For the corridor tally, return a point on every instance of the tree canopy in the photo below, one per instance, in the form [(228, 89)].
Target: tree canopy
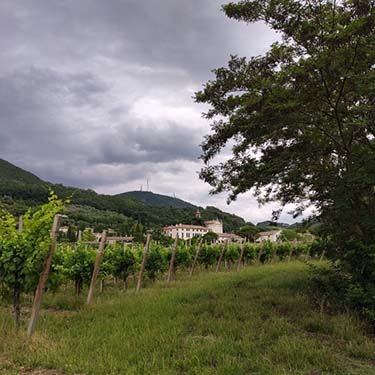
[(301, 119)]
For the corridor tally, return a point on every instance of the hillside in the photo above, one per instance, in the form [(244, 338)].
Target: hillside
[(9, 172), (153, 199), (20, 189)]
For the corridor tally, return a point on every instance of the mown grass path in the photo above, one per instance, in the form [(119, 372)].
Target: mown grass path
[(256, 321)]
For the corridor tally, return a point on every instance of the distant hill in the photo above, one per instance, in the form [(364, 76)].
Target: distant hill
[(269, 223), (20, 190), (153, 199), (9, 172)]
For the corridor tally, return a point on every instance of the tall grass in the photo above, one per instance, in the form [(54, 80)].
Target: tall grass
[(257, 321)]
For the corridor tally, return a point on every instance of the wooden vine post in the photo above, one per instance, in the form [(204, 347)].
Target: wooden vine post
[(197, 252), (98, 261), (43, 277), (173, 258), (274, 254), (241, 256), (143, 265), (20, 223), (221, 255), (290, 253), (260, 254)]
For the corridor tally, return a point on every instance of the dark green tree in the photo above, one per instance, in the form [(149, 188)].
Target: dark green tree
[(301, 120), (249, 232), (210, 237)]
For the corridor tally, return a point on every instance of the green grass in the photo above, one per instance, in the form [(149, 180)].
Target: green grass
[(257, 321)]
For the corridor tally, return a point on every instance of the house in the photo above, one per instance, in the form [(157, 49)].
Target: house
[(272, 236), (64, 229), (184, 231), (215, 226), (230, 237), (118, 239)]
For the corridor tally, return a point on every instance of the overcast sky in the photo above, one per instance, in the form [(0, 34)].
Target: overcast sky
[(98, 94)]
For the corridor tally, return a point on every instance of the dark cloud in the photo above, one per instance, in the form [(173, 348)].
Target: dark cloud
[(98, 94)]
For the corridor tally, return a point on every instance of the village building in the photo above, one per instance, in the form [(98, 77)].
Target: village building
[(64, 229), (185, 231), (230, 237), (215, 226), (272, 236), (119, 239)]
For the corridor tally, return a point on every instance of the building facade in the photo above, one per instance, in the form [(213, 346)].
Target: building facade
[(215, 226), (184, 231), (272, 236), (187, 232)]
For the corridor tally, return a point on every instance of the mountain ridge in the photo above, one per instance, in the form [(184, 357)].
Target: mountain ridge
[(20, 189)]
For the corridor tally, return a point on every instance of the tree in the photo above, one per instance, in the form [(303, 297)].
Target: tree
[(210, 237), (249, 232), (71, 235), (88, 235), (301, 119), (290, 235), (22, 253)]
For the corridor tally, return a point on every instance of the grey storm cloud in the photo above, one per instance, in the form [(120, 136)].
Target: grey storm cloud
[(137, 144), (98, 94)]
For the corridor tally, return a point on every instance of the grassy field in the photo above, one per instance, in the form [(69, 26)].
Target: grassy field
[(256, 321)]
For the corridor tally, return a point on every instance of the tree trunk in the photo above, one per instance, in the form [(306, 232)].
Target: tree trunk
[(78, 284)]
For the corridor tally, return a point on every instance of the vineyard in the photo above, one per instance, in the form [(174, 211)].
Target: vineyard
[(32, 261), (232, 307), (121, 263)]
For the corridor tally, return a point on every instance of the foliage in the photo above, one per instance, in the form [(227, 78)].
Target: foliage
[(22, 253), (88, 235), (249, 232), (210, 237), (290, 235), (78, 264), (300, 120), (124, 260), (156, 261)]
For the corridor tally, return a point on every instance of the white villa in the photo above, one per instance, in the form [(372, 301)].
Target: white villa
[(186, 232)]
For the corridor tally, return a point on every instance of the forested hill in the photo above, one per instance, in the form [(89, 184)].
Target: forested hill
[(152, 199), (9, 172), (20, 189)]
